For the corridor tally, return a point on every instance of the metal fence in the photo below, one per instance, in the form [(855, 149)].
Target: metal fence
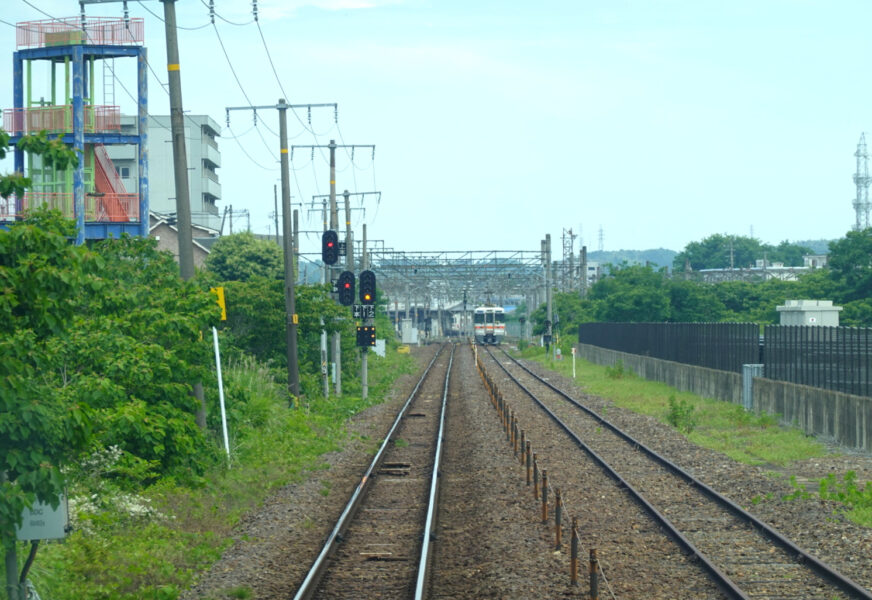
[(722, 346), (833, 358)]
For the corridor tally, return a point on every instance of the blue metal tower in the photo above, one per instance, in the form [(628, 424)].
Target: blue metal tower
[(92, 192)]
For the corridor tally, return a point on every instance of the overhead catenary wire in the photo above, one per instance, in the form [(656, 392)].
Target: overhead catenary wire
[(239, 83), (213, 12), (159, 18)]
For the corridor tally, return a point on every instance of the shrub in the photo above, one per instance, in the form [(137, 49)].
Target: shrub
[(681, 415), (616, 371)]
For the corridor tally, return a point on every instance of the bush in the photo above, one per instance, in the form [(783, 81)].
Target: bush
[(616, 371), (681, 415)]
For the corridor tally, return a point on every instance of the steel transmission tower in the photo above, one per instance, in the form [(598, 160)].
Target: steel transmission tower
[(862, 180), (568, 270)]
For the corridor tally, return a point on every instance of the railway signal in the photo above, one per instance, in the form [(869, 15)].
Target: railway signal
[(366, 336), (367, 287), (346, 288), (330, 247)]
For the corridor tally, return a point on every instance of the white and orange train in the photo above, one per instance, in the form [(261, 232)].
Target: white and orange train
[(489, 323)]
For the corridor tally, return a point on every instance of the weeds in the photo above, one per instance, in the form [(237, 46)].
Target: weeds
[(681, 415), (616, 371)]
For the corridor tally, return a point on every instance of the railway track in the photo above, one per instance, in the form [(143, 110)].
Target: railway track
[(380, 545), (745, 557)]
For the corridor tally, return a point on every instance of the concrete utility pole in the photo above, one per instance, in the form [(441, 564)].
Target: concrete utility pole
[(180, 171), (364, 357), (583, 282), (334, 225), (548, 284), (291, 318)]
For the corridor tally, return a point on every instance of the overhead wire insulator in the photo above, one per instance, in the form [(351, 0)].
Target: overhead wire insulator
[(254, 9), (212, 11), (309, 114)]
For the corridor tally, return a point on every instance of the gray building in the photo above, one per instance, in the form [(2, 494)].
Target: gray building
[(204, 159)]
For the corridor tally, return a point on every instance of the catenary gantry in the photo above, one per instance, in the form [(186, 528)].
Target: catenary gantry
[(444, 276)]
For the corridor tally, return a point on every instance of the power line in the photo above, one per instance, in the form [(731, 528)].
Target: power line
[(238, 83), (158, 17), (213, 12)]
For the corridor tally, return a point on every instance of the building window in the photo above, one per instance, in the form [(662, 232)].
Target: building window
[(123, 172)]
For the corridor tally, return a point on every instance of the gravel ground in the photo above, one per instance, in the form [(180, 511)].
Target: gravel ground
[(491, 542)]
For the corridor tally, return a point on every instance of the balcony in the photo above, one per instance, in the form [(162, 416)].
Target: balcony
[(59, 119), (107, 208), (98, 31), (212, 154), (210, 187)]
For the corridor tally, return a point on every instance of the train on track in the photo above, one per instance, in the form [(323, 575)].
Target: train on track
[(489, 324)]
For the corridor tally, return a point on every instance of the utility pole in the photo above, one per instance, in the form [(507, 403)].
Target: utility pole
[(334, 226), (291, 318), (180, 171), (364, 356), (548, 284), (325, 379)]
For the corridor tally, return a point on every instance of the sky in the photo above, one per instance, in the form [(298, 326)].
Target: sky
[(637, 124)]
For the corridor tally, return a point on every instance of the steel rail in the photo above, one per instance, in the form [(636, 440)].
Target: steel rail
[(307, 589), (720, 578), (423, 563), (822, 568)]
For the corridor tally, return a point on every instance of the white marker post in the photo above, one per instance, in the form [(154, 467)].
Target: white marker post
[(221, 394), (573, 362)]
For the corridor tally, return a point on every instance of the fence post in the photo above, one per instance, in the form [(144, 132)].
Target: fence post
[(529, 461), (523, 445), (749, 372), (535, 477), (544, 495), (573, 553), (558, 514), (594, 575)]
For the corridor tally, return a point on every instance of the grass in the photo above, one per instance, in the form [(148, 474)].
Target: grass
[(117, 556), (728, 428)]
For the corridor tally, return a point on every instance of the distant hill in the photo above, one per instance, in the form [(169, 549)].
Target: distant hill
[(661, 257)]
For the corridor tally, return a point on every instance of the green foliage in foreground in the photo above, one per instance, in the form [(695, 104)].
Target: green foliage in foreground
[(857, 499), (153, 544)]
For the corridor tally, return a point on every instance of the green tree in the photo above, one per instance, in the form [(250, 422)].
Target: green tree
[(43, 425), (719, 251), (788, 253), (137, 346), (631, 294), (850, 264), (694, 303), (241, 256)]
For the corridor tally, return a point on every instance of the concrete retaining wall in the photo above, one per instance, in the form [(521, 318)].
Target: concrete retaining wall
[(843, 418), (708, 383)]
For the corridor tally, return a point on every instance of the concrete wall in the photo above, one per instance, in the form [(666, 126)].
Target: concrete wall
[(709, 383), (843, 418)]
